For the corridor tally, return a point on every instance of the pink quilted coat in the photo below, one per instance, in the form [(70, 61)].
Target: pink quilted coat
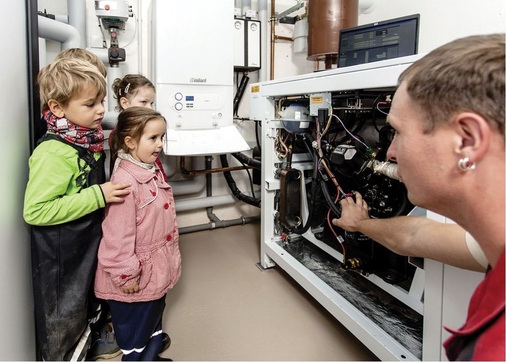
[(140, 239)]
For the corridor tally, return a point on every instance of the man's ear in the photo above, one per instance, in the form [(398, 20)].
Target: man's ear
[(124, 103), (130, 142), (475, 133), (56, 108)]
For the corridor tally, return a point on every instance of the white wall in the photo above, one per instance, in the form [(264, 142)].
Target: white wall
[(442, 21), (17, 341)]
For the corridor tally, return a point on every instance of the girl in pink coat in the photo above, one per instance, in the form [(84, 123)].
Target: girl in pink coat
[(138, 257)]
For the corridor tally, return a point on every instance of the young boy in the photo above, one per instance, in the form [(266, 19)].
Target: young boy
[(64, 202), (103, 341)]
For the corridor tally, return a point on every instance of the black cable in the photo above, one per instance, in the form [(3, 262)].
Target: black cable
[(258, 124), (250, 179)]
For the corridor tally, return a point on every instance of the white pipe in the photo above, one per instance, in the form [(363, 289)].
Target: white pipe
[(102, 53), (77, 18), (264, 21), (63, 33), (188, 187), (42, 53), (366, 6), (62, 18), (140, 35), (110, 119), (203, 202), (246, 6), (185, 187), (112, 74)]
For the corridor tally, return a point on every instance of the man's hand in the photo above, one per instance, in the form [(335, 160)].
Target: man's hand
[(352, 213)]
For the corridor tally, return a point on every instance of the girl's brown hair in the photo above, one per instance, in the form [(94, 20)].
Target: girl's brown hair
[(131, 122), (129, 86)]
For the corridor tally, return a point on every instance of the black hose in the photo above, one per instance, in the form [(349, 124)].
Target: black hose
[(247, 160), (240, 92), (329, 200), (233, 187)]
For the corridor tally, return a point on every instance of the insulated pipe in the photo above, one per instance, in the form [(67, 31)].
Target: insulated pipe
[(42, 53), (77, 18), (247, 160), (62, 18), (63, 33), (233, 187), (263, 17), (102, 53), (240, 93)]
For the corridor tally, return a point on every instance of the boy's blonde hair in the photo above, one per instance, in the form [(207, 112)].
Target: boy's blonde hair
[(83, 54), (66, 78)]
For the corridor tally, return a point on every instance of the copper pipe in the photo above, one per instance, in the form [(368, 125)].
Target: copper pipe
[(279, 37), (273, 36), (186, 172)]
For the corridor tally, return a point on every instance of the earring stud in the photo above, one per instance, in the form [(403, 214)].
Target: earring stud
[(465, 165)]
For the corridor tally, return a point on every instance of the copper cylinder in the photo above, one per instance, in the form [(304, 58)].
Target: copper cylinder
[(325, 19)]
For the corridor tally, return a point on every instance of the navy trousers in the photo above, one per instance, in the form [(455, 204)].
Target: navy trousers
[(138, 328)]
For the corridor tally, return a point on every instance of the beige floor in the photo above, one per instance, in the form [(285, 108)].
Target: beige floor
[(224, 308)]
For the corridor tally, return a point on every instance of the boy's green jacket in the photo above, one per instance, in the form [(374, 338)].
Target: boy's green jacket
[(54, 193)]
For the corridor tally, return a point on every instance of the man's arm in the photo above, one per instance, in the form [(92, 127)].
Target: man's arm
[(410, 235)]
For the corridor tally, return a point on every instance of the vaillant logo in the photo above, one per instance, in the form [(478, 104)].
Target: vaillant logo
[(198, 80)]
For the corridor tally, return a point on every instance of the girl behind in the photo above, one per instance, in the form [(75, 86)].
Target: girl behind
[(138, 257)]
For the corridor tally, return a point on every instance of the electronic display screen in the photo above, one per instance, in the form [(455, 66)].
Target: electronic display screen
[(379, 41)]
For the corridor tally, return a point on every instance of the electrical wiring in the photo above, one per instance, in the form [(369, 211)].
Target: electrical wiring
[(135, 31), (347, 131), (329, 119), (338, 238), (379, 109), (280, 145)]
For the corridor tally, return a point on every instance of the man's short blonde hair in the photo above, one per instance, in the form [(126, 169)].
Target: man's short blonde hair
[(65, 79), (465, 75)]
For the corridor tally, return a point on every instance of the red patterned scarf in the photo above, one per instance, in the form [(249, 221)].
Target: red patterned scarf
[(92, 139)]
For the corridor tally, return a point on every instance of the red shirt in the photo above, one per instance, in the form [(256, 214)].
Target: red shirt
[(481, 338)]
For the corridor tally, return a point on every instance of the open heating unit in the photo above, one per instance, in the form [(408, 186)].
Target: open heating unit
[(325, 135)]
